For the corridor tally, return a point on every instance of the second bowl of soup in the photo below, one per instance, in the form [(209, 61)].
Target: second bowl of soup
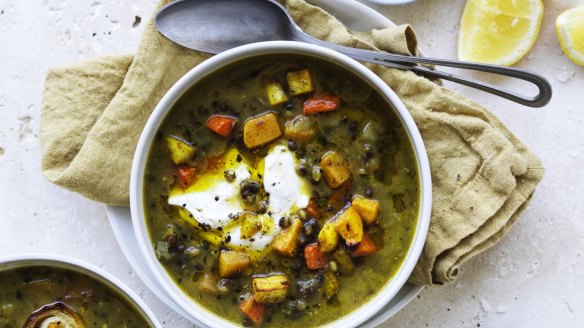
[(281, 184)]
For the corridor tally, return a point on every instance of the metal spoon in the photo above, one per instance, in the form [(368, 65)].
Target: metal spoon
[(214, 26)]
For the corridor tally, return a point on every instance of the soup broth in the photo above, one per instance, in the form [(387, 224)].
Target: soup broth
[(281, 191)]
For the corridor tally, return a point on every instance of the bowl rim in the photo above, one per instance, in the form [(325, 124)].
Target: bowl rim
[(15, 261), (216, 63)]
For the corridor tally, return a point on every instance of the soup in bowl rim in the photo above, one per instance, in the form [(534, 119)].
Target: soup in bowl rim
[(215, 64)]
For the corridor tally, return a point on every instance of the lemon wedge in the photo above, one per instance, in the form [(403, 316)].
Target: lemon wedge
[(570, 31), (498, 32)]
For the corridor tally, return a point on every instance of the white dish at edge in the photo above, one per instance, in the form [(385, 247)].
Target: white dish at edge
[(356, 16)]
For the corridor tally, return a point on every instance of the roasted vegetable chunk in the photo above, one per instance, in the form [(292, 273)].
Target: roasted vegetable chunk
[(315, 259), (221, 124), (335, 168), (180, 149), (368, 209), (300, 82), (232, 264), (320, 103), (261, 129), (301, 129), (276, 94), (253, 310), (331, 285), (186, 175), (349, 225), (366, 247), (328, 238), (286, 241), (271, 288)]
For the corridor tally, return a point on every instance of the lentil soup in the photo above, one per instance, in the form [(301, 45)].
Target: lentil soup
[(281, 191)]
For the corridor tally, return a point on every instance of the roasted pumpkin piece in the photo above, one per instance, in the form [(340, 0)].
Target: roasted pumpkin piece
[(250, 225), (180, 149), (271, 288), (276, 94), (366, 247), (328, 238), (253, 310), (300, 82), (301, 129), (232, 264), (349, 225), (286, 241), (314, 258), (261, 129), (368, 209), (335, 168), (331, 285)]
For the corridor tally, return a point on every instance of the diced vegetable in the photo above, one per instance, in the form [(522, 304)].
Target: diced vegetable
[(344, 262), (312, 209), (208, 284), (368, 209), (328, 238), (331, 285), (221, 124), (349, 225), (162, 252), (232, 264), (253, 310), (271, 288), (335, 168), (300, 82), (366, 247), (261, 129), (286, 241), (276, 94), (315, 259), (250, 225), (337, 199), (180, 149), (320, 103), (301, 129), (186, 175)]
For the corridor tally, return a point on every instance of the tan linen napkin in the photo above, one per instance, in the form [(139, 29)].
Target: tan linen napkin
[(483, 177)]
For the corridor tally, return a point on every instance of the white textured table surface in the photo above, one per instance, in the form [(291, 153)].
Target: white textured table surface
[(533, 278)]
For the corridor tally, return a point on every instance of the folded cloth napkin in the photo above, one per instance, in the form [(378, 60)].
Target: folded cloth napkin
[(483, 177)]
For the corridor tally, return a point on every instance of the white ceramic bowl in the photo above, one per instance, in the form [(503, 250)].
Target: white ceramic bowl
[(63, 262), (209, 67)]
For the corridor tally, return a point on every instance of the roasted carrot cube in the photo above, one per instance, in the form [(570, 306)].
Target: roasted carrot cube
[(186, 175), (320, 103), (349, 225), (221, 124), (253, 310), (261, 129), (315, 259), (366, 247), (368, 209), (312, 209), (286, 241), (232, 264)]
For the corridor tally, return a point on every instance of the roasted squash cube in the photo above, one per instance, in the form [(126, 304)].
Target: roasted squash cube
[(276, 94), (328, 238), (335, 168), (300, 82), (180, 149), (271, 288), (232, 264), (349, 225), (261, 129), (250, 225), (286, 241), (368, 209)]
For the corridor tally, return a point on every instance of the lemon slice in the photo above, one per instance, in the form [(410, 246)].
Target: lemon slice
[(498, 31), (570, 30)]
